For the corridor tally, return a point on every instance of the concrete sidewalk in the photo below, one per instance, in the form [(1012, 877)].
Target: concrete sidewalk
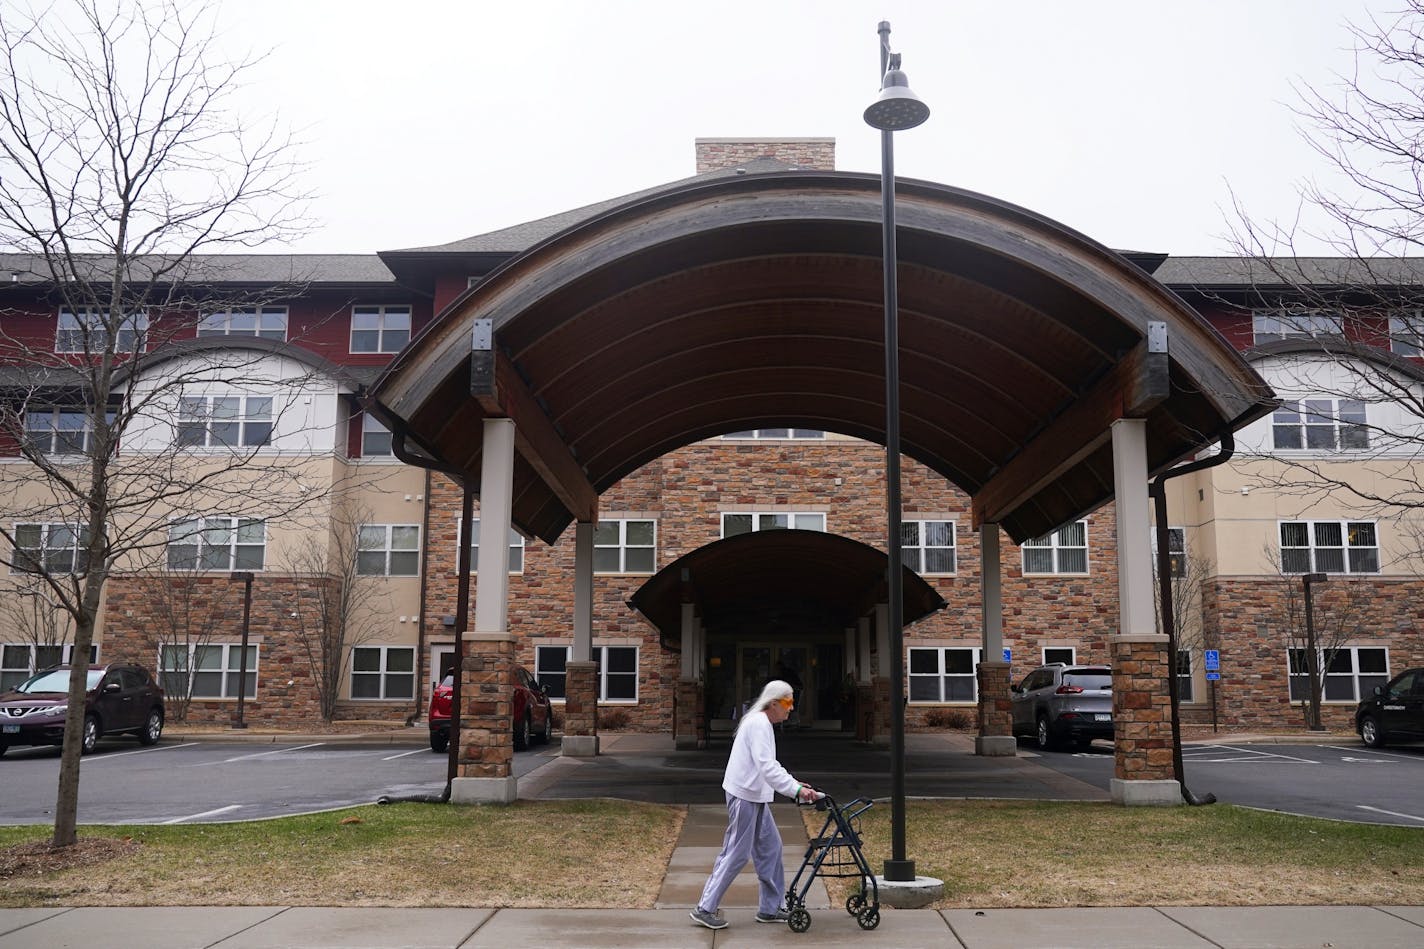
[(277, 927)]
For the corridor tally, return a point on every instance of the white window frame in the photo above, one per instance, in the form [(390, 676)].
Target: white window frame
[(939, 676), (383, 674), (254, 421), (1072, 654), (205, 531), (516, 549), (621, 548), (1054, 543), (1186, 681), (42, 554), (915, 549), (1291, 556), (1341, 422), (1299, 681), (1274, 325), (70, 331), (53, 435), (388, 542), (12, 675), (600, 657), (268, 322), (371, 428), (776, 434), (767, 520), (229, 669), (383, 313), (1406, 332)]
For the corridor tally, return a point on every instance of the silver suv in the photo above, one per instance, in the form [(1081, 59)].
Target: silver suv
[(1059, 703)]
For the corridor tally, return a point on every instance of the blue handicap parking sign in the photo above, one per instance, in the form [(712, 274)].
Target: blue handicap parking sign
[(1213, 676), (1008, 655), (1213, 659)]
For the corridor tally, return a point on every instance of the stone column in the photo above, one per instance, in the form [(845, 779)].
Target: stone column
[(995, 738), (581, 692), (1142, 712), (690, 698), (486, 752)]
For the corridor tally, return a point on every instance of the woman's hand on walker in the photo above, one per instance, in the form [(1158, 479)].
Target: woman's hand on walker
[(808, 795)]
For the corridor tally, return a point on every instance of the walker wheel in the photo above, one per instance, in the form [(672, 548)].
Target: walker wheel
[(869, 917), (800, 920), (855, 903)]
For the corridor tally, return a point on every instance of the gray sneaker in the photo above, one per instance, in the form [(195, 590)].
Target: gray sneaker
[(780, 916), (711, 920)]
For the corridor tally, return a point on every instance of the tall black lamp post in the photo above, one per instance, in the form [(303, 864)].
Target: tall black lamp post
[(1312, 662), (245, 576), (897, 108)]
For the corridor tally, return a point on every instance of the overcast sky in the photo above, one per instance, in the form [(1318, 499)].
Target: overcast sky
[(432, 120)]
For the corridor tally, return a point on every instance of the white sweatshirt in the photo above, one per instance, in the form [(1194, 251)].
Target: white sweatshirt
[(753, 773)]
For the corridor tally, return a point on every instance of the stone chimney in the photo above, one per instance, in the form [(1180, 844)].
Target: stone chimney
[(812, 154)]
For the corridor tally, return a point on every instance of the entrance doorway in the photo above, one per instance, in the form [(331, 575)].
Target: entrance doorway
[(814, 671)]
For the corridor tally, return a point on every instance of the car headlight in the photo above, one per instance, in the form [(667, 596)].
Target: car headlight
[(57, 709)]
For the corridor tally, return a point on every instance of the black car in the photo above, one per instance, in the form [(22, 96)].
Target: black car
[(1395, 712), (122, 699)]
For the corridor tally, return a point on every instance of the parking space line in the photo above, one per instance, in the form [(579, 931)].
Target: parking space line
[(91, 759), (1270, 754), (1238, 755), (275, 751), (1371, 751), (220, 810), (405, 754), (1380, 810)]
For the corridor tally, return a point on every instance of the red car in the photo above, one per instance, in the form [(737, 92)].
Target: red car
[(532, 714)]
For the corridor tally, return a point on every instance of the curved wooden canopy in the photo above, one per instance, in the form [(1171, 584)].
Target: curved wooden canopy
[(756, 301), (783, 577)]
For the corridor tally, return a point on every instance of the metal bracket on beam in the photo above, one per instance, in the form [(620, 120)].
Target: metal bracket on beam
[(482, 380), (1156, 336)]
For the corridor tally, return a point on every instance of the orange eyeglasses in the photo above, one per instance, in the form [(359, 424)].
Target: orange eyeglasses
[(786, 702)]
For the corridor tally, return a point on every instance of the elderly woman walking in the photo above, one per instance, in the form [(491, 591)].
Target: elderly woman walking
[(752, 779)]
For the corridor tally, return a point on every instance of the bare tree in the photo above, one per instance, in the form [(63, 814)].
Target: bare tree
[(121, 166), (182, 618), (339, 608), (42, 626)]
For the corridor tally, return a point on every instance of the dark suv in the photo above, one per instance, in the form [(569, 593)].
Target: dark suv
[(1395, 712), (122, 699), (1060, 703), (529, 709)]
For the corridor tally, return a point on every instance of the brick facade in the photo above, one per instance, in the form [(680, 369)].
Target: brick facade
[(1142, 710), (816, 154)]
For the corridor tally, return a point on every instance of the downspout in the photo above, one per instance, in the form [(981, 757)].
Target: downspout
[(1157, 490), (420, 656)]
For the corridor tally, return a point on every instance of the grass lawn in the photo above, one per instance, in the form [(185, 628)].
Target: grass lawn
[(1033, 853), (603, 853)]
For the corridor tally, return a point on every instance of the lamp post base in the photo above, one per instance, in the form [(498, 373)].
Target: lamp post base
[(900, 871), (913, 893)]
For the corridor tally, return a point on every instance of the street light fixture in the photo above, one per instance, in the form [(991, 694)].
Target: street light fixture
[(245, 577), (896, 108), (1311, 662)]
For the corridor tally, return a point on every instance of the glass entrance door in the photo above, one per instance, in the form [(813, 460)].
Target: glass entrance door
[(757, 663)]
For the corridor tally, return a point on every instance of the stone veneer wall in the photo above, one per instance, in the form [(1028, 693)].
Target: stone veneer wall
[(1245, 620), (817, 154)]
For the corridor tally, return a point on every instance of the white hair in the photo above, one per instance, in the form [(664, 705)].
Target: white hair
[(773, 690)]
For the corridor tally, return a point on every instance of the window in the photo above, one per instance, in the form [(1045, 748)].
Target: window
[(379, 329), (1064, 654), (62, 430), (766, 433), (1406, 332), (382, 672), (1184, 675), (928, 546), (943, 675), (85, 331), (1320, 425), (1176, 551), (1063, 551), (1352, 673), (50, 548), (388, 550), (264, 322), (1270, 326), (217, 543), (625, 547), (212, 669), (227, 421), (375, 438), (19, 661), (516, 549), (734, 524), (617, 671), (1329, 547)]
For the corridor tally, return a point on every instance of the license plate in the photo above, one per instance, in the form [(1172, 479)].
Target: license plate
[(11, 729), (1102, 717)]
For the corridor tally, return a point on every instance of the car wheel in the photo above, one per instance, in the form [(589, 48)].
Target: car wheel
[(1370, 732), (89, 739), (439, 742), (546, 734), (1042, 736), (152, 729), (521, 733)]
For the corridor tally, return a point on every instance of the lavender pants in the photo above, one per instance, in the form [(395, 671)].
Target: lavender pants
[(751, 835)]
